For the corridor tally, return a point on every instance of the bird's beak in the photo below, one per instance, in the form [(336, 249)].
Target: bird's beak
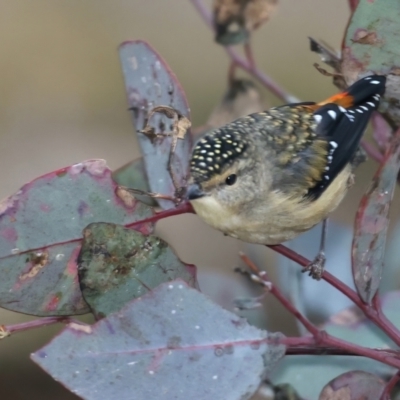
[(194, 191)]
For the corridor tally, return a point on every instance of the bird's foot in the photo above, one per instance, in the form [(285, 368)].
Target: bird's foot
[(316, 268)]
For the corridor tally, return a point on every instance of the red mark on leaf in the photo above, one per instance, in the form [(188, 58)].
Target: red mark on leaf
[(52, 304), (72, 266), (36, 261), (374, 225), (9, 234)]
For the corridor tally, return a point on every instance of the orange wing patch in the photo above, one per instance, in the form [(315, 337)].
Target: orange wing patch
[(341, 99)]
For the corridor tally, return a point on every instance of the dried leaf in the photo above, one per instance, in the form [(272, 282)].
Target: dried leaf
[(4, 332), (133, 175), (372, 222), (353, 385), (248, 303), (179, 128), (117, 265), (365, 37), (324, 72), (234, 20), (330, 57)]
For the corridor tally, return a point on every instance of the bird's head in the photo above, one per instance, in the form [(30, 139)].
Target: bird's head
[(222, 171)]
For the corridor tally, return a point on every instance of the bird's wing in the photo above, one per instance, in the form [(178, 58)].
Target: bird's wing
[(325, 136)]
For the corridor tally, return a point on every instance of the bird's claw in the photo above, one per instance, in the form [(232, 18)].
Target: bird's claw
[(316, 267)]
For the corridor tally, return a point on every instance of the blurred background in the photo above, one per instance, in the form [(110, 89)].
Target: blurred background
[(62, 100)]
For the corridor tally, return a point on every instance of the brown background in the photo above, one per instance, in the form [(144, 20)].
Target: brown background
[(62, 101)]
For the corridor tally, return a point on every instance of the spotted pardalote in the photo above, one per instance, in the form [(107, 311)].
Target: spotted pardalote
[(267, 177)]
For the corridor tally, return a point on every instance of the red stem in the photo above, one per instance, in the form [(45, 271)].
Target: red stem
[(182, 208), (373, 314), (248, 51), (245, 64), (297, 314), (323, 338), (320, 338), (390, 386), (306, 345), (231, 73), (353, 5), (275, 291), (37, 323)]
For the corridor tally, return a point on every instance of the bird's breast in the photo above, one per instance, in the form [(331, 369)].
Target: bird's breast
[(275, 219)]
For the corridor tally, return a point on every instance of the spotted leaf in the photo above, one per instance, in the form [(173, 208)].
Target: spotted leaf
[(41, 230), (173, 342)]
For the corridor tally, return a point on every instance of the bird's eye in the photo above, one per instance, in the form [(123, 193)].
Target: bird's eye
[(231, 179)]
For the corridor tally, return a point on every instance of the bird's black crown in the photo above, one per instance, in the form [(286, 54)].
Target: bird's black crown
[(215, 152)]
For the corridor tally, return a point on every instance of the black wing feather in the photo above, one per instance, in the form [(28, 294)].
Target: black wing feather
[(343, 128)]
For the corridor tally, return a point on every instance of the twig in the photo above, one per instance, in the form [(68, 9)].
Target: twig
[(382, 322), (390, 386), (153, 195), (246, 65), (248, 51), (306, 345), (183, 208), (281, 298), (353, 5), (7, 330), (320, 337), (231, 73)]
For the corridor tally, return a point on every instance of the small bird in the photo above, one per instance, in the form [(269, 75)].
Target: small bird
[(267, 177), (234, 20)]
